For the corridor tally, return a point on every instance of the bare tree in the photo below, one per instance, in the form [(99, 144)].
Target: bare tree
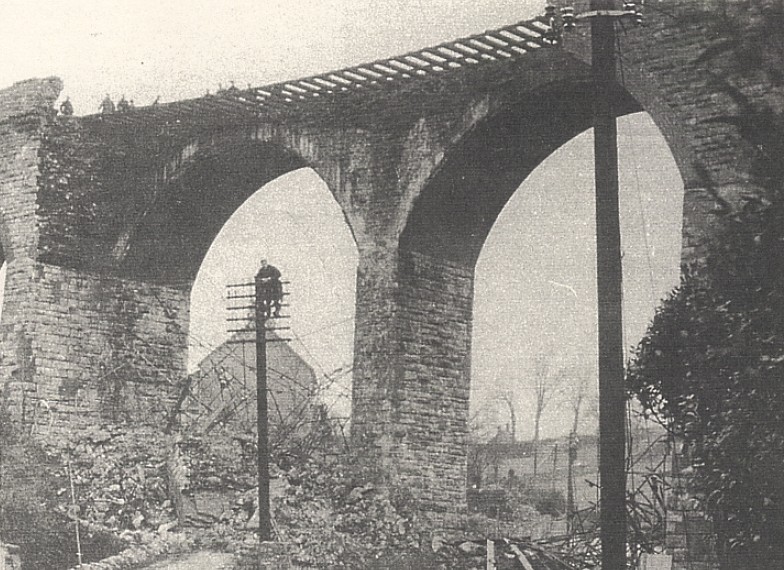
[(583, 397), (483, 454), (547, 382), (507, 397)]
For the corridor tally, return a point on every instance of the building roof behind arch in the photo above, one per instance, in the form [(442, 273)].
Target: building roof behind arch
[(419, 71)]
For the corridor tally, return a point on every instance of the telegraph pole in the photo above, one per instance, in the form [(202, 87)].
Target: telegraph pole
[(262, 425), (612, 398), (609, 278), (262, 307)]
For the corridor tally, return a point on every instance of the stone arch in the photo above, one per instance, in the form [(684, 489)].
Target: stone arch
[(438, 249), (316, 253), (455, 210), (452, 212), (171, 242)]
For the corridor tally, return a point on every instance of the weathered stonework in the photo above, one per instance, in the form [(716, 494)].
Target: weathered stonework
[(668, 69), (76, 345), (421, 172), (78, 348)]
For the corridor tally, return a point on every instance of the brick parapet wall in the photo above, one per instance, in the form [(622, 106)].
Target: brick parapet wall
[(74, 346), (29, 96), (18, 171)]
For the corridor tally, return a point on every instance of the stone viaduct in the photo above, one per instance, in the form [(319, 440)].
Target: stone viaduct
[(104, 220)]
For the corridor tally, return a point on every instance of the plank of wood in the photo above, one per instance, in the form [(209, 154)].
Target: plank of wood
[(490, 555), (521, 557)]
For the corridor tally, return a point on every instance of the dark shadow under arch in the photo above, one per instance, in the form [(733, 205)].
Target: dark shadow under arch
[(171, 242), (457, 208)]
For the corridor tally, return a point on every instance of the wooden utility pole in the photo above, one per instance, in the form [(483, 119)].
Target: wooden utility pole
[(612, 398), (262, 425), (262, 306)]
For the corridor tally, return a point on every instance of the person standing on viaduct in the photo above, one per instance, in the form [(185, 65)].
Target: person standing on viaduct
[(107, 105), (122, 105), (271, 288), (66, 108)]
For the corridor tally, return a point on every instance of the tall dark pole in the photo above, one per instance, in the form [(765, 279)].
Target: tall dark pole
[(612, 403), (265, 530), (570, 484)]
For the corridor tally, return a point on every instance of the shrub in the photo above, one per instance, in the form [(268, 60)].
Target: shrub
[(711, 365), (550, 502)]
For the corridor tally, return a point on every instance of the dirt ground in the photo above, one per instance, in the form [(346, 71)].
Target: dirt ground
[(204, 560)]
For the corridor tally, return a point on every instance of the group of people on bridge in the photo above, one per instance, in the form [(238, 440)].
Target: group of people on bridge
[(123, 105), (107, 106)]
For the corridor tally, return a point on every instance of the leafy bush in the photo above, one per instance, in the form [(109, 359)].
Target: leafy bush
[(550, 502), (712, 362)]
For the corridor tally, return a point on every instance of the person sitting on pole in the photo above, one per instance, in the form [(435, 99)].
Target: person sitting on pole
[(271, 289)]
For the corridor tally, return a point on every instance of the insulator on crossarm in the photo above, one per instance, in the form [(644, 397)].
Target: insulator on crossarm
[(639, 18), (549, 11), (568, 18), (629, 8)]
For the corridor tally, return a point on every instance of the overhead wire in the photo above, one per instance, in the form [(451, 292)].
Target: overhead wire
[(628, 439), (631, 461), (231, 354), (212, 347)]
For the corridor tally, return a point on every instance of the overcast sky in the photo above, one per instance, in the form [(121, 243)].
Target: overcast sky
[(535, 289)]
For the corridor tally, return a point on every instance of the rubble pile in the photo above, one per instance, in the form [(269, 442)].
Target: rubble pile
[(507, 554), (219, 462), (118, 477), (324, 506), (326, 511), (335, 519)]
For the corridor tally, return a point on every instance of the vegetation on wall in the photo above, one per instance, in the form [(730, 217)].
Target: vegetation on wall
[(92, 183), (712, 363), (711, 366)]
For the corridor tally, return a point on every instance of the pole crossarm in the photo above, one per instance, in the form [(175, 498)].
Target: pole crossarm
[(603, 13), (263, 299)]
